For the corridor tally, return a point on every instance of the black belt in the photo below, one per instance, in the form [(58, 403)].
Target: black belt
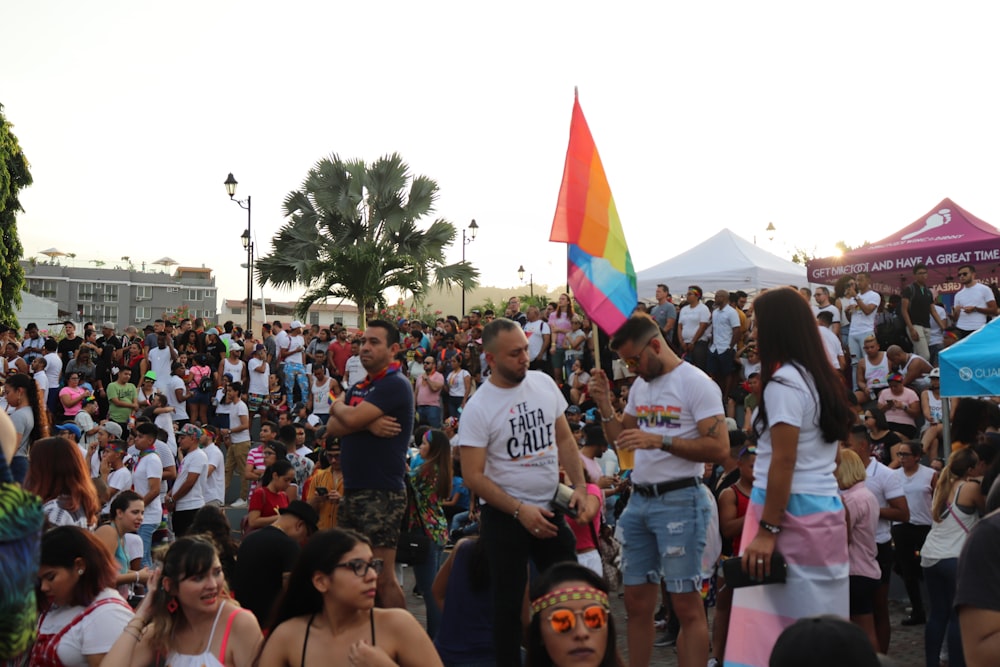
[(651, 490)]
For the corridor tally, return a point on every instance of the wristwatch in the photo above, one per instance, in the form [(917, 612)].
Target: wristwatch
[(665, 443)]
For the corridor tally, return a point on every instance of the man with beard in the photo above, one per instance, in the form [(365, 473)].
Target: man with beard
[(514, 439), (374, 420), (674, 423)]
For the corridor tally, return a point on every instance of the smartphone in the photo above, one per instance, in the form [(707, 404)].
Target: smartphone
[(560, 501), (321, 490)]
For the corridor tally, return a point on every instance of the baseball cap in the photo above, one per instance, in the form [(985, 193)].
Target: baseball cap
[(573, 410), (150, 375), (259, 347), (304, 511), (235, 347), (72, 428), (935, 373), (117, 445), (190, 429), (829, 641), (895, 377), (88, 400), (108, 325), (112, 429), (295, 325)]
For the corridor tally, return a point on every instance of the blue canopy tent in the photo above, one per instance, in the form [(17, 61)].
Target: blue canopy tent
[(970, 367)]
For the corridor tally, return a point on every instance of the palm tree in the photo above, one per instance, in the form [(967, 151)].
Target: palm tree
[(352, 233)]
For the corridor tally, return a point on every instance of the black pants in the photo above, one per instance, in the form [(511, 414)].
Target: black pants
[(909, 540), (509, 547), (182, 520)]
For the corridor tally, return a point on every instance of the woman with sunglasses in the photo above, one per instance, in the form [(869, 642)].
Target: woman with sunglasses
[(327, 615), (571, 621)]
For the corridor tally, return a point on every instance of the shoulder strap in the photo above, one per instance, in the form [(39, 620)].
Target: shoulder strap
[(225, 635), (371, 616), (86, 612), (305, 640)]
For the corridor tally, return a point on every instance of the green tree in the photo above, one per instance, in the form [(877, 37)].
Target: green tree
[(353, 231), (14, 175)]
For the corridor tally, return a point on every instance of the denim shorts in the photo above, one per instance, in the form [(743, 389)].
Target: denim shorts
[(663, 537)]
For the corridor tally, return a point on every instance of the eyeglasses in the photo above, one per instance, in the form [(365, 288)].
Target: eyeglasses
[(594, 617), (902, 454), (962, 274), (633, 362), (360, 566), (333, 454)]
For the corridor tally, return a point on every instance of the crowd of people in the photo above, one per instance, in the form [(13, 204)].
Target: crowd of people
[(526, 467)]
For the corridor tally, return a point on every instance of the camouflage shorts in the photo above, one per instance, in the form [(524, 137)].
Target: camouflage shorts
[(375, 513)]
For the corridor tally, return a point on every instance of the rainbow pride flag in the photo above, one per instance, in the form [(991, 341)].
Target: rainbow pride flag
[(599, 266)]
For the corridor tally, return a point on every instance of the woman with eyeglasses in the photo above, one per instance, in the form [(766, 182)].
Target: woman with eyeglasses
[(883, 439), (71, 396), (327, 614), (571, 622)]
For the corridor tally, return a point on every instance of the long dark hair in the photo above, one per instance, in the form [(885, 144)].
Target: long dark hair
[(189, 556), (321, 554), (538, 655), (280, 467), (438, 464), (35, 402), (787, 334), (62, 545)]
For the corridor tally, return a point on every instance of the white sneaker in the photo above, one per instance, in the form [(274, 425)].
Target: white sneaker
[(238, 504)]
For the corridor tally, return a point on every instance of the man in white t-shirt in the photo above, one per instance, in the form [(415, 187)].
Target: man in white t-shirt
[(239, 441), (693, 321), (187, 497), (146, 482), (213, 487), (177, 394), (862, 309), (53, 373), (116, 476), (823, 305), (974, 303), (539, 337), (888, 491), (831, 342), (294, 363), (514, 438), (160, 359), (725, 335), (673, 424), (355, 369), (258, 371)]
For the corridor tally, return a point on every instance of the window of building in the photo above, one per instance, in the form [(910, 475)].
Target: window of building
[(111, 292), (143, 293), (143, 313), (238, 311), (85, 310), (43, 288), (338, 320), (314, 318), (111, 313), (194, 295), (85, 292)]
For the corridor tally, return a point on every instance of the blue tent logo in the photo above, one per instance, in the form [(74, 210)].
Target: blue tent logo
[(965, 373)]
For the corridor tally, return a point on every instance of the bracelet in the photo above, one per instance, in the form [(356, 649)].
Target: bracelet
[(135, 635), (605, 420), (770, 527), (137, 576), (517, 510)]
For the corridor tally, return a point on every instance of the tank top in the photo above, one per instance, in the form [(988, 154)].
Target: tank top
[(236, 370), (934, 406), (876, 374), (206, 658), (321, 398), (947, 536)]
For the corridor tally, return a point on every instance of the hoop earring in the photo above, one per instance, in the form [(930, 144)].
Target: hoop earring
[(79, 572), (172, 606)]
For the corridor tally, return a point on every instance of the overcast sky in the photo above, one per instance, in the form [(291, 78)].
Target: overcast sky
[(843, 120)]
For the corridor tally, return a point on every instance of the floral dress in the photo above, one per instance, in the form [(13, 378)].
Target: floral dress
[(426, 504)]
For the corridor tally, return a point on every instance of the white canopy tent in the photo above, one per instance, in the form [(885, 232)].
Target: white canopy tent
[(725, 261)]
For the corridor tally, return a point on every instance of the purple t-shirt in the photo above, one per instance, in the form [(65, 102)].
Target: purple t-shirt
[(370, 462)]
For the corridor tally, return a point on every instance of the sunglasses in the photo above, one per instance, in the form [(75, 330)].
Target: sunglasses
[(360, 566), (633, 362), (594, 617)]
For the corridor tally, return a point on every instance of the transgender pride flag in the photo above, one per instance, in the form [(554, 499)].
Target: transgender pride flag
[(599, 267)]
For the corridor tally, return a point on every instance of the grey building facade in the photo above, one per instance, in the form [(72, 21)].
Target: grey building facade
[(125, 297)]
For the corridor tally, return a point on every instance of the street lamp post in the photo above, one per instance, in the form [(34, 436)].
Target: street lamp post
[(472, 227), (247, 240), (531, 280)]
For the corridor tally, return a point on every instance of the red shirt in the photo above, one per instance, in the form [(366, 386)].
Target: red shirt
[(267, 502), (339, 353)]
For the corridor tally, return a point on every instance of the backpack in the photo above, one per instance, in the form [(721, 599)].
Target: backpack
[(206, 385)]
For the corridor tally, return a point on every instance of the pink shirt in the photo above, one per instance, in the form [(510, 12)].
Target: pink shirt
[(896, 414), (584, 538), (862, 510), (562, 321), (73, 393), (424, 395)]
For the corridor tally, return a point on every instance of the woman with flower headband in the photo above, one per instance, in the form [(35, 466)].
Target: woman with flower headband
[(571, 621)]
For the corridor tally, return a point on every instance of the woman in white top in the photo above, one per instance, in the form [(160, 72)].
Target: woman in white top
[(908, 538), (82, 613), (459, 386), (930, 406), (957, 503), (188, 616), (320, 385)]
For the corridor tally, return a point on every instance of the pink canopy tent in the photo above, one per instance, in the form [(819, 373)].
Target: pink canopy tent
[(944, 239)]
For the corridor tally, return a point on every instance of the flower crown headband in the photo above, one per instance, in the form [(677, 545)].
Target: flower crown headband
[(561, 595)]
